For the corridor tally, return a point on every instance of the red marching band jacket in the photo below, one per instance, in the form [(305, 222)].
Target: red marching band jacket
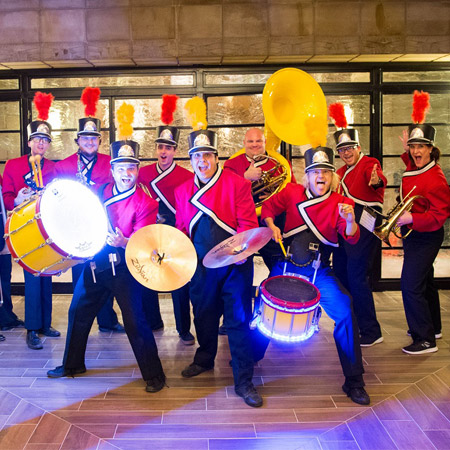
[(101, 172), (429, 214), (226, 199), (355, 182), (16, 172), (320, 214), (130, 210), (162, 183), (241, 163)]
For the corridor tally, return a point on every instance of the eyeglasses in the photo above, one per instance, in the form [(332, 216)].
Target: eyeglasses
[(44, 140), (346, 149)]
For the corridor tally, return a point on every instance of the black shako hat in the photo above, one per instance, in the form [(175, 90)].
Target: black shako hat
[(202, 141), (124, 151), (319, 158)]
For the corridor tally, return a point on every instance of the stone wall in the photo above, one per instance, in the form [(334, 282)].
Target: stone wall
[(71, 33)]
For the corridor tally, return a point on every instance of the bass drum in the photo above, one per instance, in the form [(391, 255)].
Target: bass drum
[(289, 308), (57, 228)]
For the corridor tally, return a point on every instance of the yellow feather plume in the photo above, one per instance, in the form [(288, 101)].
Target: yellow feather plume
[(125, 117), (196, 113)]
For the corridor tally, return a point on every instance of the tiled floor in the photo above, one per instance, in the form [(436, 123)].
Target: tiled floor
[(108, 408)]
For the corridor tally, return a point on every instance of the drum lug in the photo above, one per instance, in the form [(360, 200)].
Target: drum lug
[(255, 320), (38, 215)]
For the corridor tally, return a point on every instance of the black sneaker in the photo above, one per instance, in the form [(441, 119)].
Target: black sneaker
[(357, 394), (187, 338), (369, 342), (34, 341), (61, 371), (2, 338), (117, 328), (250, 396), (420, 347), (155, 384), (193, 370), (50, 332)]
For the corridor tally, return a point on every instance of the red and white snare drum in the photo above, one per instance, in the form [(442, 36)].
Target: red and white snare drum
[(289, 309)]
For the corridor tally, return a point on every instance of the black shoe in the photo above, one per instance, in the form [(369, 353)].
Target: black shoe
[(222, 330), (34, 341), (15, 324), (193, 370), (420, 347), (158, 327), (250, 396), (187, 338), (2, 338), (117, 328), (61, 371), (50, 332), (369, 342), (155, 384), (357, 394)]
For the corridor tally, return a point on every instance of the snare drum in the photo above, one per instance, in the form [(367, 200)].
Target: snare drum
[(289, 308), (57, 228)]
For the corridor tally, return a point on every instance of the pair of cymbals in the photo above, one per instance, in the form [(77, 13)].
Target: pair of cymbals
[(163, 258)]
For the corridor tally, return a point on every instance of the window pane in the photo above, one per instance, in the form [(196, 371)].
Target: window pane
[(9, 116), (441, 75), (64, 114), (393, 169), (147, 112), (9, 84), (10, 147), (230, 140), (146, 139), (237, 109), (398, 108), (119, 81), (63, 144), (347, 77), (357, 107)]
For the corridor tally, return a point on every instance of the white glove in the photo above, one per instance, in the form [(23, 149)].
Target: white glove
[(24, 194)]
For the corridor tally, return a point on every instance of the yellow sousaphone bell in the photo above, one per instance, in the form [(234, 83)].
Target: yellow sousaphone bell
[(295, 111)]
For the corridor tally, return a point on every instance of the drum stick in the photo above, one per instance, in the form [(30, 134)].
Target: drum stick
[(282, 248), (33, 169), (37, 158)]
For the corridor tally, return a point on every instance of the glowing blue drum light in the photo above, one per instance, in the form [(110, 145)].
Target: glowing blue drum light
[(287, 338)]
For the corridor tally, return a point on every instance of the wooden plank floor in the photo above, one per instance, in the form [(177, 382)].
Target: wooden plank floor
[(304, 407)]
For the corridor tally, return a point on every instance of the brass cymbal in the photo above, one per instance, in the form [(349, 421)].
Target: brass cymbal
[(237, 247), (161, 257)]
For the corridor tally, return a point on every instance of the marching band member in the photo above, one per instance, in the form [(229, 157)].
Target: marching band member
[(92, 169), (315, 213), (161, 178), (424, 177), (129, 208), (251, 166), (363, 181), (211, 208), (18, 186)]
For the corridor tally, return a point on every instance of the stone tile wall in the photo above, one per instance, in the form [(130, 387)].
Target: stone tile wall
[(58, 33)]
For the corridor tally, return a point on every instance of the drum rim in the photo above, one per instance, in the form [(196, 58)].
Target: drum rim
[(284, 303)]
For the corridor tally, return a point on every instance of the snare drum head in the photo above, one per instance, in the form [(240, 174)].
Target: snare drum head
[(74, 218), (290, 291)]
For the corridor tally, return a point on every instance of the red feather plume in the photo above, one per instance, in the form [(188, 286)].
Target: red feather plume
[(169, 105), (337, 113), (421, 105), (43, 102), (90, 97)]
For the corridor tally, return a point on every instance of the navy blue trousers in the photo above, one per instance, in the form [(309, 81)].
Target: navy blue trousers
[(106, 317), (419, 291), (90, 297), (181, 308), (7, 315), (336, 302), (352, 265), (38, 302), (227, 291)]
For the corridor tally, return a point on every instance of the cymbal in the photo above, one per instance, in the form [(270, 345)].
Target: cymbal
[(161, 257), (237, 247)]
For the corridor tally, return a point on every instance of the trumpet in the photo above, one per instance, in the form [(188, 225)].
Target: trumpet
[(389, 224)]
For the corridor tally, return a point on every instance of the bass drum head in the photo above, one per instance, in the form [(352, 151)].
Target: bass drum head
[(73, 217), (290, 291)]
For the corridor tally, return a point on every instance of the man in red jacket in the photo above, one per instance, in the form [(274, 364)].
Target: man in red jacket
[(213, 206), (363, 181)]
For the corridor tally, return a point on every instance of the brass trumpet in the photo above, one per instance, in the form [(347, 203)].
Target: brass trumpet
[(390, 225)]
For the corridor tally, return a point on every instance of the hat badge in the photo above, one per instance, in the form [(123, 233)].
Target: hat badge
[(90, 126), (43, 128), (125, 150), (201, 140), (166, 134), (320, 157), (344, 137), (416, 133)]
